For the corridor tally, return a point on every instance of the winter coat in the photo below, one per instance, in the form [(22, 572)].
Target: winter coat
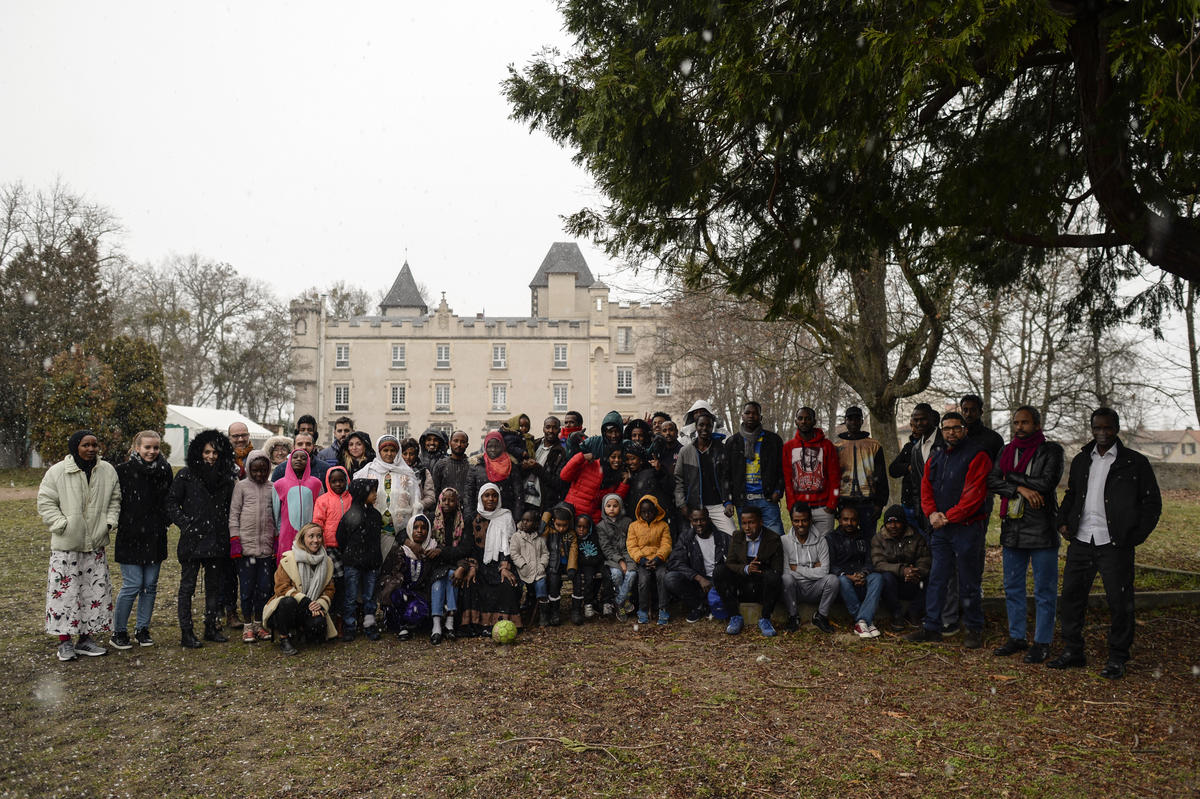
[(586, 479), (79, 512), (955, 483), (688, 488), (252, 515), (1033, 529), (686, 557), (550, 475), (770, 462), (597, 444), (848, 554), (512, 495), (451, 473), (770, 552), (649, 481), (293, 502), (812, 471), (891, 554), (425, 484), (864, 471), (909, 466), (808, 558), (360, 530), (329, 507), (201, 514), (651, 540), (287, 583), (1132, 502), (331, 455), (614, 538), (529, 555), (142, 529)]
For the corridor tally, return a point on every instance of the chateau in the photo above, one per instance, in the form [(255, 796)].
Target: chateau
[(410, 368)]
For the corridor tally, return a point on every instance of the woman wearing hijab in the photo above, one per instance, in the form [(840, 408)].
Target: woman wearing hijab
[(498, 467), (399, 493), (497, 587), (404, 580), (80, 501), (303, 592), (446, 548), (198, 503)]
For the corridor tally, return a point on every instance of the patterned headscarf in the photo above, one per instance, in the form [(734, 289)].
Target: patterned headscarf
[(439, 521)]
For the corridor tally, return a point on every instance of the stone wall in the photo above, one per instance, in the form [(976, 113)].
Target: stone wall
[(1170, 476)]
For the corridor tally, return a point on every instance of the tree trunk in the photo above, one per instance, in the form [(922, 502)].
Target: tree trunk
[(1193, 361)]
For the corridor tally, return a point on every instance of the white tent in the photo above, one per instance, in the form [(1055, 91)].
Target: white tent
[(184, 422)]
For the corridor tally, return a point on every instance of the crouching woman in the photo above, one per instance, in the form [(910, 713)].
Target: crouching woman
[(303, 592)]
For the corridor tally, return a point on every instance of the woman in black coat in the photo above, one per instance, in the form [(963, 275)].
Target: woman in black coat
[(141, 544), (198, 503)]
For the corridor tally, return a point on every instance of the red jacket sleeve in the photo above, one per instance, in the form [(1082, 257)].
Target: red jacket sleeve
[(928, 506), (833, 474), (789, 493), (974, 491), (572, 468)]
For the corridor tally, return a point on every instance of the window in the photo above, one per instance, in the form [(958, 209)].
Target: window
[(398, 429), (560, 396), (662, 382), (560, 356), (1189, 449), (499, 356), (624, 381), (624, 339), (399, 356), (499, 396), (443, 357), (661, 339), (441, 397), (399, 396), (599, 303), (341, 396), (341, 356)]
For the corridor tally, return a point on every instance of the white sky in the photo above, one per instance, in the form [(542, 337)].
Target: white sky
[(300, 142)]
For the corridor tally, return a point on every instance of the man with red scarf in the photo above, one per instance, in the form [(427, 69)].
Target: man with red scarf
[(1025, 476)]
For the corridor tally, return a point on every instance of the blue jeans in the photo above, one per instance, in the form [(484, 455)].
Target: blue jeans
[(257, 576), (140, 581), (1045, 590), (770, 513), (956, 546), (356, 580), (443, 596), (622, 583), (864, 609)]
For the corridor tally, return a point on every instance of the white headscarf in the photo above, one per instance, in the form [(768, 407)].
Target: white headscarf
[(500, 526)]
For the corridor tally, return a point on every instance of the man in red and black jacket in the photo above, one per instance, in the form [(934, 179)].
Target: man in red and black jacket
[(953, 490)]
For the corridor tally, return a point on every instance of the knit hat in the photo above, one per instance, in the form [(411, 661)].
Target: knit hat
[(895, 513)]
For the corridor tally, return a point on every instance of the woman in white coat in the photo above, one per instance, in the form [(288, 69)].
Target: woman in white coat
[(399, 491), (80, 501)]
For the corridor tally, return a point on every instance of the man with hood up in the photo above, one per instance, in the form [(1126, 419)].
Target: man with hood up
[(434, 444), (611, 430), (688, 431)]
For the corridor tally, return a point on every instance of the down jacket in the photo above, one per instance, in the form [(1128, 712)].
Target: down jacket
[(142, 529), (78, 511), (250, 513), (329, 507), (651, 540), (201, 514), (585, 479)]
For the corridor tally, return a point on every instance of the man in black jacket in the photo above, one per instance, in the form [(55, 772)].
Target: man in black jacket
[(1111, 505), (702, 476), (909, 465), (755, 459), (695, 556), (1025, 477)]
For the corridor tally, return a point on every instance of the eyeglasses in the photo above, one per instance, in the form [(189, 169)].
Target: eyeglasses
[(952, 428)]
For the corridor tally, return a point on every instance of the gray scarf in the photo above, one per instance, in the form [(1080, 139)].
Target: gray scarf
[(750, 438), (312, 570)]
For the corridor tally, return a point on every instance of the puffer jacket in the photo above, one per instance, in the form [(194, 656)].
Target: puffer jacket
[(203, 515), (586, 479), (891, 554), (79, 512), (251, 516), (1031, 529), (359, 531), (614, 536), (329, 507), (293, 501), (142, 529), (651, 540)]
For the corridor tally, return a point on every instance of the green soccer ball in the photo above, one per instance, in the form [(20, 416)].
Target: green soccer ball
[(504, 632)]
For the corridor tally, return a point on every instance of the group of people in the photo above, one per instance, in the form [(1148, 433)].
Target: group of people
[(387, 535)]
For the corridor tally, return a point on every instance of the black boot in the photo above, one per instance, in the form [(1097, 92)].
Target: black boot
[(187, 639), (213, 633), (577, 610), (541, 614), (555, 612)]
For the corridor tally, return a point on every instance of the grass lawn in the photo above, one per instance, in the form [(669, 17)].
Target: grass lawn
[(599, 710)]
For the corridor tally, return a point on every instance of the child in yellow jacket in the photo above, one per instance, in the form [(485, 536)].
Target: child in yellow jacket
[(649, 544)]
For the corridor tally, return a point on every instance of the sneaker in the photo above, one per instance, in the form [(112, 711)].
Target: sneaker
[(643, 617), (622, 614), (66, 651), (143, 638), (862, 629), (821, 623), (766, 628), (695, 615), (735, 625), (403, 635), (922, 635), (248, 636), (262, 633), (87, 646), (950, 629), (372, 633), (899, 624), (589, 611), (874, 631), (663, 617), (1038, 653), (120, 640), (607, 610)]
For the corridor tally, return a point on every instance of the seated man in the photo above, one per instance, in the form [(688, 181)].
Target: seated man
[(806, 577), (850, 562), (902, 559), (752, 572), (697, 552)]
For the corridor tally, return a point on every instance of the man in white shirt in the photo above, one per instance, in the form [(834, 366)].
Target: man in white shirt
[(1111, 505)]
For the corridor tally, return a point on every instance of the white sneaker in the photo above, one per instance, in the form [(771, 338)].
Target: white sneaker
[(874, 630), (862, 629), (589, 612), (608, 609), (66, 651)]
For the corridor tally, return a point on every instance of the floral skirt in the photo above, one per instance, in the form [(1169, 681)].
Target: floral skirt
[(78, 593)]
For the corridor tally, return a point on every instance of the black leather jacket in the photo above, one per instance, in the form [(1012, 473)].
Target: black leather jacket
[(1035, 529)]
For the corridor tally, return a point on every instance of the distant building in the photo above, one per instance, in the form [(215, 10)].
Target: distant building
[(1166, 446), (409, 368)]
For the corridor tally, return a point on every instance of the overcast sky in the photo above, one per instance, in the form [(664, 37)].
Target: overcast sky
[(300, 142)]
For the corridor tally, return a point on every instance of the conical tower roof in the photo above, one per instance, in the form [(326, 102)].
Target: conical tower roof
[(404, 293)]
